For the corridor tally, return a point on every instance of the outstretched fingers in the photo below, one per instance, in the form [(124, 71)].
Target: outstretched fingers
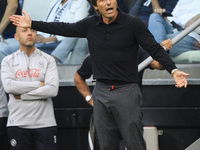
[(15, 19), (182, 83), (22, 21), (25, 14), (185, 85)]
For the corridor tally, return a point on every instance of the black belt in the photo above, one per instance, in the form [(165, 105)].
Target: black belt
[(112, 82)]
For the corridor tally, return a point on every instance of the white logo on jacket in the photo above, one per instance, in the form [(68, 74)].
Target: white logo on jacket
[(40, 64), (13, 142)]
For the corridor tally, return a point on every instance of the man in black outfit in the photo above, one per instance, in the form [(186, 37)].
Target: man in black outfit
[(114, 38)]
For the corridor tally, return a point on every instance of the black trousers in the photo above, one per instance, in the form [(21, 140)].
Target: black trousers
[(118, 116), (32, 139), (3, 133)]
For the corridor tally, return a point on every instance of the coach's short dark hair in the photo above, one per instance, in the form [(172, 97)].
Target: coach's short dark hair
[(94, 2)]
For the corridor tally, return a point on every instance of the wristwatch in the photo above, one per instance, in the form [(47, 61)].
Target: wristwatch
[(88, 98)]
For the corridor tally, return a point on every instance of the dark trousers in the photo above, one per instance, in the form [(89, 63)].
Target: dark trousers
[(118, 115), (32, 139), (94, 141), (3, 133)]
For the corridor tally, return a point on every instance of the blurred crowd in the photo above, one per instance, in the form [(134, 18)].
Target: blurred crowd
[(165, 19)]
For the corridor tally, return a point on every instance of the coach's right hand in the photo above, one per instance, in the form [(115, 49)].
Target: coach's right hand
[(21, 21)]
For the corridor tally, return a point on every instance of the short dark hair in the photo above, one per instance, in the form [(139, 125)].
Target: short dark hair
[(94, 2)]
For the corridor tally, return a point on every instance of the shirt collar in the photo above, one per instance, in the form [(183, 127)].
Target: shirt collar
[(35, 52), (117, 20)]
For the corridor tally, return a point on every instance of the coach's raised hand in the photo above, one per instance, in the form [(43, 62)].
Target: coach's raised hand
[(21, 21)]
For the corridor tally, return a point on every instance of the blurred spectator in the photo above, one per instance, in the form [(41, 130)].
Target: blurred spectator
[(144, 8), (185, 11), (59, 11), (8, 8), (121, 4), (78, 46), (3, 117), (129, 4), (42, 6), (7, 30)]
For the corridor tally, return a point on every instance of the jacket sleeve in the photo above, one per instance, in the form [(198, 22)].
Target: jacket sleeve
[(11, 85), (51, 85), (147, 42), (78, 29)]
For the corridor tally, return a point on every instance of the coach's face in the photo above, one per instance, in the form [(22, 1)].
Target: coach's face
[(26, 36), (108, 10)]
